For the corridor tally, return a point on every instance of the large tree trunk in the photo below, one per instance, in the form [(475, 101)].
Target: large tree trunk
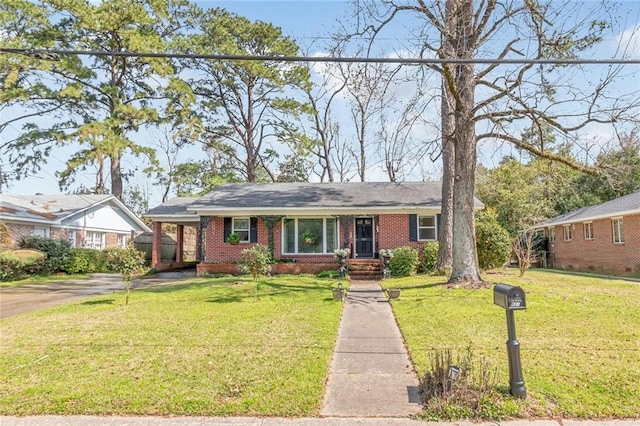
[(465, 258), (116, 176), (445, 237)]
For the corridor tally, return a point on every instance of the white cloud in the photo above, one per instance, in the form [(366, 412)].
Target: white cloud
[(629, 42)]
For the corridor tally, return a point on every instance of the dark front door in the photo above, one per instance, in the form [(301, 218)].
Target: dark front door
[(364, 237)]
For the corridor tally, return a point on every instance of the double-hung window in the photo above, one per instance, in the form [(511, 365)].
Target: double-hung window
[(427, 228), (566, 230), (309, 235), (72, 237), (552, 234), (618, 230), (94, 240), (41, 232), (122, 240), (588, 230), (241, 227)]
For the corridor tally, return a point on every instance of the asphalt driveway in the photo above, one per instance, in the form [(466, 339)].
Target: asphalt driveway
[(31, 297)]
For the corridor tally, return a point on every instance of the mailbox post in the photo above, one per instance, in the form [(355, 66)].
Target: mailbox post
[(512, 299)]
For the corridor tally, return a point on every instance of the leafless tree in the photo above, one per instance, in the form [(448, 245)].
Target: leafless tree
[(367, 84), (401, 144), (324, 127), (501, 99)]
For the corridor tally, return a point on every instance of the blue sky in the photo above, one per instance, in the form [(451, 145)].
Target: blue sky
[(305, 21)]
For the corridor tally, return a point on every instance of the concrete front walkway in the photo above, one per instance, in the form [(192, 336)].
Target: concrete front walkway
[(371, 374)]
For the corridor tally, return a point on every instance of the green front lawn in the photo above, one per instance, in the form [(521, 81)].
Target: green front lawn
[(579, 337), (207, 347)]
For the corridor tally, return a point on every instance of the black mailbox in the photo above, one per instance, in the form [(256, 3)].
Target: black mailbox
[(509, 297)]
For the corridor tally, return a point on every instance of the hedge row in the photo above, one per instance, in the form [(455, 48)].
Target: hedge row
[(40, 256), (18, 264)]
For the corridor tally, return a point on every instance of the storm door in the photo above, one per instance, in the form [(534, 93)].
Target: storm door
[(364, 237)]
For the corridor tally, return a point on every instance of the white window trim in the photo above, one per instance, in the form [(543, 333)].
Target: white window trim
[(122, 240), (619, 221), (585, 226), (434, 227), (248, 230), (91, 243), (283, 244), (46, 229), (565, 233), (552, 234)]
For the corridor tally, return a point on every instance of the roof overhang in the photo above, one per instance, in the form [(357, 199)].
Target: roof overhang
[(178, 219), (589, 218), (315, 212), (31, 221)]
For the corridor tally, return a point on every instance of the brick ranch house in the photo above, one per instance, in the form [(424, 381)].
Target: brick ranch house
[(303, 222), (600, 238), (92, 221)]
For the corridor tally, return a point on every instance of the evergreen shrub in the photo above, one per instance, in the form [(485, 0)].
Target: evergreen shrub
[(404, 262), (57, 251), (86, 261)]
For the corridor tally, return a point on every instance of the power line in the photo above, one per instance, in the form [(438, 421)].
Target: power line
[(54, 55)]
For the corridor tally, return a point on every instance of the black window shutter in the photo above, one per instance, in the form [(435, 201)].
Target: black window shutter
[(438, 222), (253, 230), (413, 227), (227, 228)]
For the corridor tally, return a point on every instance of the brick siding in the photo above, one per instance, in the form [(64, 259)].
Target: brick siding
[(19, 231), (599, 254), (392, 232)]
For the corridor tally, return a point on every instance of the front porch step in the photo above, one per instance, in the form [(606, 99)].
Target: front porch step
[(365, 269)]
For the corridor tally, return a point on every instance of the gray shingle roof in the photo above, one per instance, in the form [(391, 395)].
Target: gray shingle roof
[(174, 207), (46, 207), (322, 196), (628, 204)]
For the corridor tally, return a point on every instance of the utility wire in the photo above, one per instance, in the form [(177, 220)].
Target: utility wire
[(53, 55)]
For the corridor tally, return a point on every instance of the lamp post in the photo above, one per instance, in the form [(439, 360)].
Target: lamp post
[(452, 376)]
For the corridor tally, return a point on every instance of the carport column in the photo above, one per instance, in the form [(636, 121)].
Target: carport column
[(345, 223), (156, 244), (180, 244), (202, 241)]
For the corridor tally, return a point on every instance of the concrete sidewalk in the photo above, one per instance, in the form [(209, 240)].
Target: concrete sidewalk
[(279, 421), (371, 374)]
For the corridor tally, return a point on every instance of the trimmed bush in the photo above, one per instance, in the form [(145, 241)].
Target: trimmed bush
[(126, 261), (57, 251), (404, 261), (429, 256), (255, 260), (18, 264), (86, 261), (492, 241)]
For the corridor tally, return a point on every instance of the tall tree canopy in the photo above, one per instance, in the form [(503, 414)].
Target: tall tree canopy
[(102, 100), (245, 104)]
